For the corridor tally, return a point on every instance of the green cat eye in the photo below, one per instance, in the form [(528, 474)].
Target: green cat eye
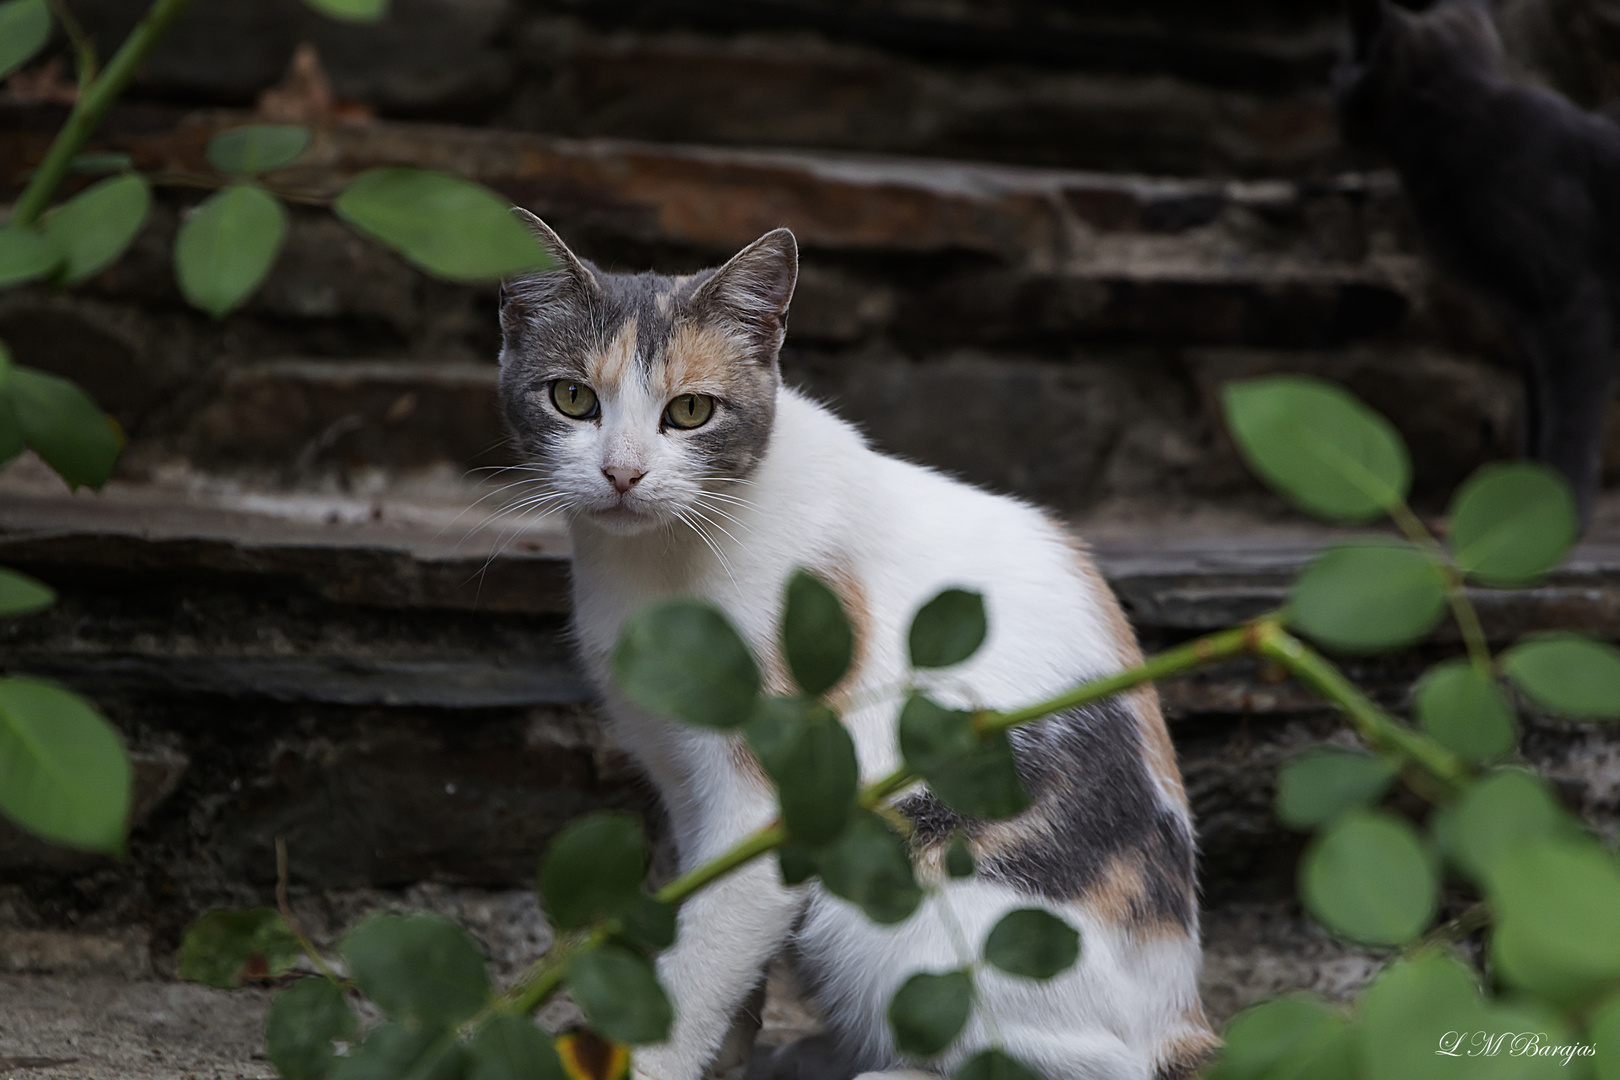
[(689, 411), (573, 399)]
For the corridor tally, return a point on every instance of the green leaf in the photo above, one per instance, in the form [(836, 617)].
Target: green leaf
[(63, 773), (816, 638), (1321, 784), (1363, 598), (1033, 943), (93, 228), (25, 27), (222, 948), (451, 228), (1557, 917), (257, 148), (620, 995), (977, 777), (648, 921), (1368, 878), (303, 1022), (993, 1065), (1408, 1009), (796, 862), (99, 164), (811, 757), (26, 253), (1465, 711), (1511, 523), (399, 1051), (1495, 814), (22, 595), (948, 629), (1282, 1037), (683, 659), (1568, 674), (11, 433), (958, 858), (594, 868), (351, 10), (420, 969), (929, 1011), (513, 1048), (62, 425), (1604, 1033), (870, 866), (226, 247), (1318, 446)]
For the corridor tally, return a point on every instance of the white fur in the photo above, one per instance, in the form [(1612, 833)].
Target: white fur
[(822, 498)]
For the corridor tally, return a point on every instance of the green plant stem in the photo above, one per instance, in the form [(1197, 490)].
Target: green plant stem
[(1211, 649), (84, 50), (94, 101), (547, 974), (1378, 728), (1476, 917), (293, 924), (1462, 608), (768, 838)]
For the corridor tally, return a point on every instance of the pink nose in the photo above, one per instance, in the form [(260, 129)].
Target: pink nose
[(623, 478)]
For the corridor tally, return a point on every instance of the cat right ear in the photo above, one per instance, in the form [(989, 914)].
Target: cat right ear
[(571, 279)]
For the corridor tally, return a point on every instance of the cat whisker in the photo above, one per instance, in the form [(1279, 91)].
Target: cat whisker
[(479, 501), (681, 516)]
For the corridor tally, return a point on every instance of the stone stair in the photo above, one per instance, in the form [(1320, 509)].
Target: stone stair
[(1037, 237)]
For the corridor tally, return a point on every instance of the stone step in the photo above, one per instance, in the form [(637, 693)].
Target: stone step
[(715, 199), (1168, 86), (401, 703)]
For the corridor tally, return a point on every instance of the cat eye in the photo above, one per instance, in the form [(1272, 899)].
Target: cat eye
[(574, 399), (689, 411)]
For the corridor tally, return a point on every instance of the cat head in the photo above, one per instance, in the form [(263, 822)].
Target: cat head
[(642, 399), (1394, 51)]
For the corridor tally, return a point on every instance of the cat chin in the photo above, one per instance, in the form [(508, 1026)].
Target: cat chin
[(623, 521)]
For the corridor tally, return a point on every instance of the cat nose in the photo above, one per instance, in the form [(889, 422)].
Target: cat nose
[(623, 478)]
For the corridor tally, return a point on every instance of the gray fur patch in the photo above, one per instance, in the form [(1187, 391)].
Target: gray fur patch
[(1094, 809)]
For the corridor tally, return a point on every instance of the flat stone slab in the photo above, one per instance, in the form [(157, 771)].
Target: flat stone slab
[(95, 1027)]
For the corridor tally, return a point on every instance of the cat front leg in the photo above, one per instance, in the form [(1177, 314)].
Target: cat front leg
[(727, 932)]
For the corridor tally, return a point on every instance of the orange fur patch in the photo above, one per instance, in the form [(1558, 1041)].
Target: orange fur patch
[(1181, 1057), (612, 364), (1120, 897), (1144, 700), (748, 764), (700, 358), (853, 598)]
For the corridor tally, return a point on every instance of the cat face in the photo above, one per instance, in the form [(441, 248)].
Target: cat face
[(643, 400), (1393, 50)]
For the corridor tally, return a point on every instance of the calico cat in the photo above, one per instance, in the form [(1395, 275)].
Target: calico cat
[(1517, 192), (653, 408)]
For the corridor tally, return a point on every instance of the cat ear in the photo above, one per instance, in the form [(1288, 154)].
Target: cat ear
[(1367, 19), (567, 262), (754, 288), (569, 283)]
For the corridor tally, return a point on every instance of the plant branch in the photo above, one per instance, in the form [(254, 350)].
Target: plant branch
[(293, 924), (94, 101), (1263, 637), (84, 50), (767, 839), (1462, 608), (1380, 730)]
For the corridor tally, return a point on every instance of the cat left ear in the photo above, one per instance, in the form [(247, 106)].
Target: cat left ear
[(755, 286)]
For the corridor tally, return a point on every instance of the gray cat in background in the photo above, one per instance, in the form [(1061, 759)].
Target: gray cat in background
[(1517, 192)]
